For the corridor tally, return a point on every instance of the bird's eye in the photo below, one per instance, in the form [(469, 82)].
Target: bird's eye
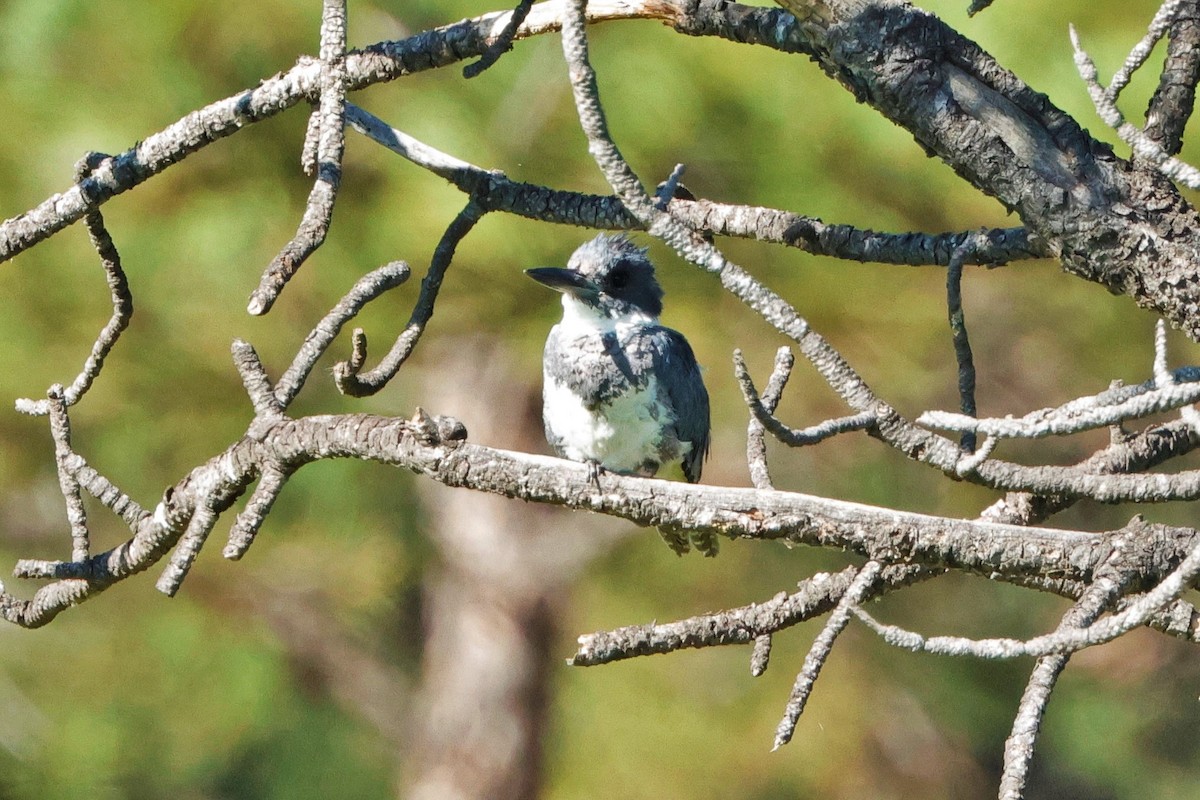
[(619, 278)]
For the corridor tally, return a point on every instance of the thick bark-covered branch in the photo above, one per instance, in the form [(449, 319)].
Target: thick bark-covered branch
[(1171, 107), (1108, 222), (1127, 229), (450, 44), (435, 447)]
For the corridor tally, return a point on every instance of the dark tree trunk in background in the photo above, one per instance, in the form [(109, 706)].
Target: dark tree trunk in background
[(490, 608)]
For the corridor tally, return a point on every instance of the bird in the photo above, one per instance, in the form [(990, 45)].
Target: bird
[(620, 391)]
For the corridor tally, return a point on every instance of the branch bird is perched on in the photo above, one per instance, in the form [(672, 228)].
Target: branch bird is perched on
[(621, 391)]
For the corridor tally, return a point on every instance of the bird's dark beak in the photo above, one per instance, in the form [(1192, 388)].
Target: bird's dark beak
[(567, 281)]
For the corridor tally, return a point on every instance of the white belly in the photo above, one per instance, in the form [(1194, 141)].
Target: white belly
[(623, 435)]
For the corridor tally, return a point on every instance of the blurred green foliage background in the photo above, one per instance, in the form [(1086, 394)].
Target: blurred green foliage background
[(137, 696)]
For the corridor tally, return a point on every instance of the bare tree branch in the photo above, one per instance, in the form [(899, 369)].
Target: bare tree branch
[(252, 517), (760, 411), (122, 302), (1018, 749), (1171, 106), (368, 287), (992, 248), (1010, 142), (1062, 641), (502, 43), (1143, 146), (60, 431), (756, 446), (1056, 156), (1153, 446), (1141, 51), (1084, 414), (346, 373), (330, 145), (821, 648), (433, 446), (962, 346), (817, 595)]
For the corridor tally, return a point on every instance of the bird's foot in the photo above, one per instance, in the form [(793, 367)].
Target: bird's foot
[(706, 542), (675, 538), (595, 469), (681, 540)]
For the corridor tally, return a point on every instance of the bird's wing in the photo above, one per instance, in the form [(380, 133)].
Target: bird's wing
[(688, 397)]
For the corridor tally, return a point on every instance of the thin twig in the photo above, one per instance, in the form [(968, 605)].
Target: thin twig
[(1019, 747), (122, 302), (821, 648), (1162, 374), (977, 6), (366, 289), (331, 144), (60, 430), (346, 374), (970, 461), (250, 520), (312, 140), (792, 437), (1083, 414), (756, 446), (180, 563), (962, 344), (1141, 51), (255, 380), (503, 43), (667, 189), (760, 656)]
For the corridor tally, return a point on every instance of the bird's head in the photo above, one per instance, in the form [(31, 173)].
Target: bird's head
[(610, 275)]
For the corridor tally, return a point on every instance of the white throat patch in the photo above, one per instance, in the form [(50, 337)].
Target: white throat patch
[(581, 319)]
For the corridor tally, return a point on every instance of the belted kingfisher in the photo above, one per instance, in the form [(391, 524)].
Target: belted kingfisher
[(621, 392)]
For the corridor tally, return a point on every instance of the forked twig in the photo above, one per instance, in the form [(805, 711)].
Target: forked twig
[(821, 648), (756, 446), (503, 42), (330, 136), (1019, 747), (1144, 146), (122, 302), (347, 375), (792, 437)]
